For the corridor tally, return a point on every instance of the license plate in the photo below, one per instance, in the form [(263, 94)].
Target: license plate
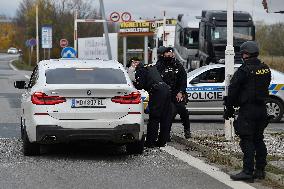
[(88, 103)]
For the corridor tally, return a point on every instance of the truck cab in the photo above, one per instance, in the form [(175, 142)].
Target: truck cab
[(213, 35)]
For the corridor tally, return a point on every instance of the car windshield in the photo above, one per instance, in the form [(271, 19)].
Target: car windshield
[(220, 33), (85, 76), (196, 71)]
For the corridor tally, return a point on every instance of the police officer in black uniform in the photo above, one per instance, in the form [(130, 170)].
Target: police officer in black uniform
[(160, 111), (248, 90), (160, 54), (174, 74)]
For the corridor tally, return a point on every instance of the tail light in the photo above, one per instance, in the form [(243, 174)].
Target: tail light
[(132, 98), (40, 98)]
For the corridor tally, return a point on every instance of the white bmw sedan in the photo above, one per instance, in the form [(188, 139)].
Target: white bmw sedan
[(72, 100)]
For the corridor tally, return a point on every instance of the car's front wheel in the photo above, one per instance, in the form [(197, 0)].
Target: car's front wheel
[(136, 147), (274, 109), (30, 149)]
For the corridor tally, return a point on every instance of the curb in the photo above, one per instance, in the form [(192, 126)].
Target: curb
[(223, 158)]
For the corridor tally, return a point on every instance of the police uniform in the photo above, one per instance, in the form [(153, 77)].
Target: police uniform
[(148, 78), (248, 90), (174, 75)]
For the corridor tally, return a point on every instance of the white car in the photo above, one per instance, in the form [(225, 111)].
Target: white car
[(12, 50), (72, 100), (206, 89)]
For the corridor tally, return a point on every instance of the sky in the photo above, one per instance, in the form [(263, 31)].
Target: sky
[(154, 8)]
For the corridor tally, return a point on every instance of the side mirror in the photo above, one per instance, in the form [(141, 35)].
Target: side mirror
[(194, 81), (20, 84)]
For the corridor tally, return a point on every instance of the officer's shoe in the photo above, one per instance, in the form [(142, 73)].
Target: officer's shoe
[(187, 134), (242, 176), (259, 174)]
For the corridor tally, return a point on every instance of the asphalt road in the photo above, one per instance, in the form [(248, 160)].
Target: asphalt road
[(95, 166)]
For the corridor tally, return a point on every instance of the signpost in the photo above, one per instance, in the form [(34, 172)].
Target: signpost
[(30, 43), (229, 65)]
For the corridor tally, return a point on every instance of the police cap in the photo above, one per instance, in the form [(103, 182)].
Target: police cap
[(161, 49), (249, 47)]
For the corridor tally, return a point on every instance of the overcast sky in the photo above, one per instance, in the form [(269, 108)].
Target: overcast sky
[(151, 8)]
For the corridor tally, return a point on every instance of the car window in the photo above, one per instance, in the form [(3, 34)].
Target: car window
[(85, 76), (34, 77), (216, 75)]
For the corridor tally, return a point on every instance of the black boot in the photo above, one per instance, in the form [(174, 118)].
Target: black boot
[(259, 174), (187, 134), (242, 176)]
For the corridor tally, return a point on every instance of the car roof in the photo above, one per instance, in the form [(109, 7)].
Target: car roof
[(79, 63)]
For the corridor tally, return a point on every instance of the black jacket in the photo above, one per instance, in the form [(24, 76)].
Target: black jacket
[(173, 74), (249, 84), (146, 76)]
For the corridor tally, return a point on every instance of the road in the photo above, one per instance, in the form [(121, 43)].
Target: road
[(96, 166)]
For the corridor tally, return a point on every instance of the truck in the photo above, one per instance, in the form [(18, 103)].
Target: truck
[(186, 41), (201, 42), (213, 35)]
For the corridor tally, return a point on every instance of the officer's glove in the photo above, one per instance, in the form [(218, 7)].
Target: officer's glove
[(229, 112)]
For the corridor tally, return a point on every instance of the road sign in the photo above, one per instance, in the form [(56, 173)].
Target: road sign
[(126, 17), (63, 43), (114, 16), (46, 37), (32, 42), (68, 52)]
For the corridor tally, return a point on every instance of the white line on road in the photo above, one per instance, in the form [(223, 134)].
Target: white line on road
[(12, 66), (208, 169), (28, 77)]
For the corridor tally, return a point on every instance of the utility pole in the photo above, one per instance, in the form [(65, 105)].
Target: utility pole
[(37, 38), (75, 30), (102, 8), (229, 64)]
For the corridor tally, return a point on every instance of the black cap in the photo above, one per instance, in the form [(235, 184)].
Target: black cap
[(249, 47), (161, 50)]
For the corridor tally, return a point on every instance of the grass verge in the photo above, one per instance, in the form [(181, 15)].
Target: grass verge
[(275, 62), (22, 66)]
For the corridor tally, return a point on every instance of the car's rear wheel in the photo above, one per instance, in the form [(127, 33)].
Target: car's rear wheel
[(274, 108), (136, 147), (30, 149)]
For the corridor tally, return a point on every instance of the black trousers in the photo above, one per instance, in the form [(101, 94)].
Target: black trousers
[(250, 125), (180, 108), (160, 111)]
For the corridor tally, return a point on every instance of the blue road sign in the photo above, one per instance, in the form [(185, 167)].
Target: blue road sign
[(27, 43), (32, 42), (68, 52)]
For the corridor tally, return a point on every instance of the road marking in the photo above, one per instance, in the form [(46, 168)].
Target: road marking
[(210, 170), (28, 77)]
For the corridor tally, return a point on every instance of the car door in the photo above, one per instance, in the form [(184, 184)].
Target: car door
[(206, 91)]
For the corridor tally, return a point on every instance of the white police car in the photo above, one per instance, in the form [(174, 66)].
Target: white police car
[(206, 88), (72, 100)]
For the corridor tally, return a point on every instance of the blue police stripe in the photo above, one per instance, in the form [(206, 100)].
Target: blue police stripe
[(205, 88), (274, 92), (272, 86)]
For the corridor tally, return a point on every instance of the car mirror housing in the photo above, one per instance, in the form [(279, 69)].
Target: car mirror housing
[(20, 84)]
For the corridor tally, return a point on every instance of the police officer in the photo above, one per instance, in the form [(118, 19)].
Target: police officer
[(248, 90), (149, 79), (173, 73), (160, 54)]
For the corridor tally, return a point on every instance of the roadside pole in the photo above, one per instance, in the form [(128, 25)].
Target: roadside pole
[(37, 38), (229, 65), (75, 30), (105, 29)]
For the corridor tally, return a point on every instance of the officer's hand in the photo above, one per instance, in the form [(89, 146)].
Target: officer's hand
[(179, 97)]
